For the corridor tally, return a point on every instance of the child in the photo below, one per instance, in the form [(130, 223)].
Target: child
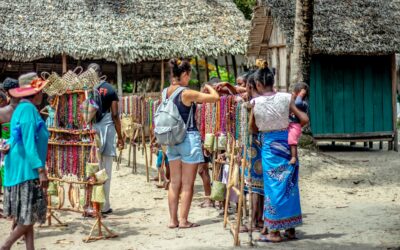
[(50, 111), (162, 159), (300, 92)]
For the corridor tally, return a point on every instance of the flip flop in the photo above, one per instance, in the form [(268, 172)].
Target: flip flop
[(265, 239), (191, 225)]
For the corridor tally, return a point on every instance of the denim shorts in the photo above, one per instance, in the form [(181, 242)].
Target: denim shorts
[(189, 151)]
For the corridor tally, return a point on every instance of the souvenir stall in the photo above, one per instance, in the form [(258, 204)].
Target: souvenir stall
[(72, 162)]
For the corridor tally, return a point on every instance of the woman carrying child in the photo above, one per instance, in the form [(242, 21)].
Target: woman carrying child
[(271, 109)]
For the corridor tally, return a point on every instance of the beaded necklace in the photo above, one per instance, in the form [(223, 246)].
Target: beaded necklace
[(223, 114), (203, 121), (217, 118)]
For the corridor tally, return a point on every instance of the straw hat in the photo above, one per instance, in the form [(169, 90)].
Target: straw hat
[(29, 84)]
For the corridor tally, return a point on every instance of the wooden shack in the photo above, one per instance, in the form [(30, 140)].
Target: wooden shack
[(353, 67)]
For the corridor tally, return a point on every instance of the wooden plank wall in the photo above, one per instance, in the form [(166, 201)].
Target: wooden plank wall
[(351, 95), (278, 58)]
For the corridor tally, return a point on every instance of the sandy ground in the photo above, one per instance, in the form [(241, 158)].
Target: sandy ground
[(350, 200)]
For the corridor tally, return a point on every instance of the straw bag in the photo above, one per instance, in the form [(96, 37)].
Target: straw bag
[(218, 189), (55, 84), (101, 176), (71, 78), (52, 190), (209, 142), (91, 168), (222, 142), (98, 194), (88, 79)]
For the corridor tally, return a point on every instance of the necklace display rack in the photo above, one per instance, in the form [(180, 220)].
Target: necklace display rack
[(71, 149), (140, 109), (226, 123)]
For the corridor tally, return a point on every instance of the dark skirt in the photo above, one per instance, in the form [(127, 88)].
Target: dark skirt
[(26, 203)]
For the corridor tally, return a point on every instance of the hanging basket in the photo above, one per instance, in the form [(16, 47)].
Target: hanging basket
[(88, 79), (55, 84), (71, 78)]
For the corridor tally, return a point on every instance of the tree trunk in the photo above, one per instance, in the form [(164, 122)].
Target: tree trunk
[(302, 44)]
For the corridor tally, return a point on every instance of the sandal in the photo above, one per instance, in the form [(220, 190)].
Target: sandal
[(266, 238)]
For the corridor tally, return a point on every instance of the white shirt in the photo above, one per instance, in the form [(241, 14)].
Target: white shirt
[(272, 112)]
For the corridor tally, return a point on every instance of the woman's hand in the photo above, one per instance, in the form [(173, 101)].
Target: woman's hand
[(44, 181), (4, 150)]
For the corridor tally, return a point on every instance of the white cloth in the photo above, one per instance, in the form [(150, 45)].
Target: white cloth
[(272, 112), (106, 163), (107, 134)]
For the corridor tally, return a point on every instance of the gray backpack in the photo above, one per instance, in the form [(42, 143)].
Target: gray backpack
[(169, 128)]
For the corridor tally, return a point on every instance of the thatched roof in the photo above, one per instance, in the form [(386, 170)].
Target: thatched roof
[(346, 26), (120, 30)]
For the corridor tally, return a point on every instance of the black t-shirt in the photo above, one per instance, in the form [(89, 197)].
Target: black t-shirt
[(108, 95)]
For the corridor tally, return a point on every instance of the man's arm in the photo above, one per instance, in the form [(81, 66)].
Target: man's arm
[(117, 123)]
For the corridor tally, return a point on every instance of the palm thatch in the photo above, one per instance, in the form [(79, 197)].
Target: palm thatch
[(362, 27), (123, 31)]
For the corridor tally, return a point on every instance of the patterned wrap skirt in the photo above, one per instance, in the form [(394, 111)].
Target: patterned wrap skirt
[(26, 202), (282, 197), (256, 173)]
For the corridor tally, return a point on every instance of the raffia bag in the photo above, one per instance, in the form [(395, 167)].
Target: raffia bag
[(218, 189), (88, 79), (209, 142), (55, 84), (71, 78)]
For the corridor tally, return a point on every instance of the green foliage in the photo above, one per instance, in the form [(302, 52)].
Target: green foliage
[(224, 75), (127, 87), (246, 6)]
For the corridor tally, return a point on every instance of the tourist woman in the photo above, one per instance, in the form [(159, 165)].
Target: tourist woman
[(271, 109), (185, 157), (25, 177)]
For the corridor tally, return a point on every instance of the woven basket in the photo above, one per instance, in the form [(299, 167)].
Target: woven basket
[(55, 85), (88, 79), (71, 78)]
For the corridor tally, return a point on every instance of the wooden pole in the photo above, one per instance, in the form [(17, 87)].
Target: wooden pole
[(207, 72), (198, 71), (216, 66), (227, 66), (64, 63), (241, 194), (119, 78), (234, 66), (144, 144), (228, 190), (162, 75), (287, 69), (394, 106)]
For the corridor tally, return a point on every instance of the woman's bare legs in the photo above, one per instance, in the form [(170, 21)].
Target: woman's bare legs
[(188, 177), (173, 191), (18, 231)]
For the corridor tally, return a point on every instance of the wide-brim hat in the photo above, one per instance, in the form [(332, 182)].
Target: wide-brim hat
[(29, 84)]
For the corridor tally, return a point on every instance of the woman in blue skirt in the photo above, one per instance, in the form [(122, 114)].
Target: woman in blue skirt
[(271, 110)]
